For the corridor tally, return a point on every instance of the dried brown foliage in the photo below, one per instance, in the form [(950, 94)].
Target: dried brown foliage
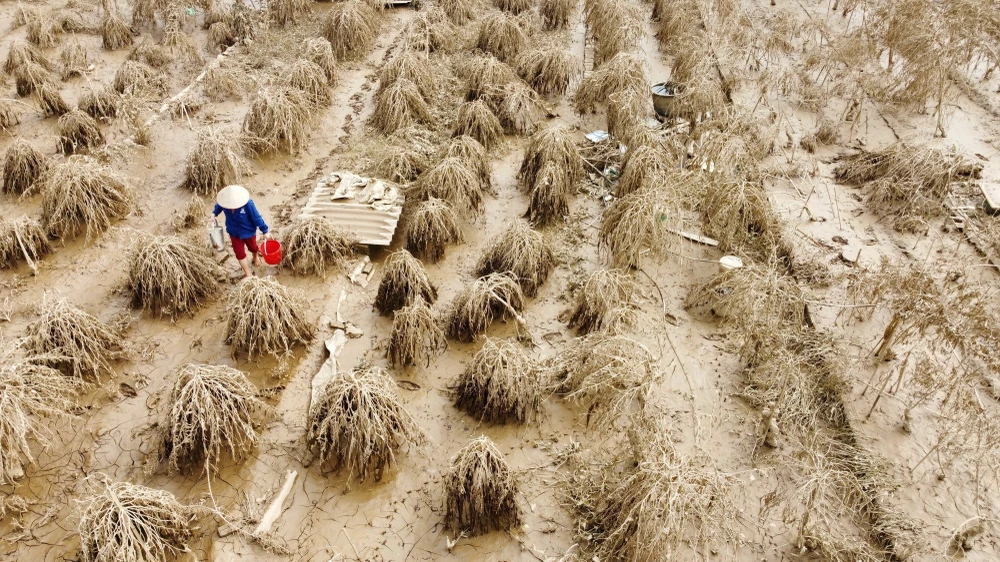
[(603, 303), (480, 490), (138, 78), (278, 120), (351, 28), (168, 275), (548, 68), (550, 196), (23, 165), (215, 162), (521, 252), (460, 11), (416, 336), (556, 13), (398, 105), (264, 317), (476, 120), (496, 296), (403, 282), (77, 343), (22, 239), (79, 133), (316, 245), (82, 194), (433, 225), (310, 78), (115, 33), (470, 151), (623, 72), (103, 103), (554, 144), (320, 51), (453, 181), (500, 35), (500, 384)]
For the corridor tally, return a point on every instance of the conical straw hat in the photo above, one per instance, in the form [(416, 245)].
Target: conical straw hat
[(233, 197)]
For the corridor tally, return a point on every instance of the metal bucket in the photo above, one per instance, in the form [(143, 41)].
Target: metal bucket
[(664, 97), (215, 237)]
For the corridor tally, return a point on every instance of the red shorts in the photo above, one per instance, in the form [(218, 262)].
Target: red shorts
[(238, 246)]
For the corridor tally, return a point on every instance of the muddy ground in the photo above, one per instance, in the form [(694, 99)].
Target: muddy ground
[(399, 518)]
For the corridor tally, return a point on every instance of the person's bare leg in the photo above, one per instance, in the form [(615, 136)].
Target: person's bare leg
[(256, 258), (245, 264)]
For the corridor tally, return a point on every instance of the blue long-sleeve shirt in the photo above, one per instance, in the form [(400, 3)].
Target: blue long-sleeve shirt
[(243, 222)]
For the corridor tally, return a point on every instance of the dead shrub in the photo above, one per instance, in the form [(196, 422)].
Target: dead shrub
[(169, 276), (431, 32), (359, 423), (149, 53), (403, 282), (480, 491), (500, 384), (215, 162), (556, 13), (351, 28), (398, 105), (501, 35), (401, 165), (138, 78), (603, 303), (42, 33), (77, 343), (29, 78), (102, 103), (79, 133), (82, 194), (212, 410), (314, 245), (513, 6), (285, 12), (554, 144), (623, 72), (642, 165), (433, 225), (755, 299), (127, 522), (487, 78), (627, 116), (309, 77), (23, 166), (49, 100), (910, 182), (262, 316), (640, 222), (453, 181), (115, 33), (548, 68), (522, 252), (10, 112), (517, 108), (476, 120), (22, 239), (278, 120), (609, 375), (497, 296), (319, 51), (618, 27), (33, 396), (21, 53), (416, 336)]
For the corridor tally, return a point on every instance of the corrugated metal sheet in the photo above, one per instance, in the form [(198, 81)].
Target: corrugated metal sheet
[(373, 226)]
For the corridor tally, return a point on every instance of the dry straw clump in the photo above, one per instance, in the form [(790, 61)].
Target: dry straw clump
[(278, 120), (21, 53), (103, 103), (82, 194), (548, 68), (262, 316), (29, 76), (549, 202), (10, 112), (470, 151), (398, 105), (79, 344), (522, 252), (453, 181), (433, 225), (416, 336), (215, 162), (513, 6), (625, 71), (314, 245), (48, 98), (115, 33), (127, 522), (487, 77), (556, 13), (412, 66), (79, 133), (212, 410), (501, 35), (351, 27), (662, 506), (497, 296), (603, 303), (618, 27), (739, 214), (910, 182), (401, 165), (149, 53), (169, 276), (32, 395), (136, 78), (500, 384), (358, 423), (756, 299), (640, 222), (22, 239), (607, 374), (476, 120), (74, 60), (23, 165), (642, 166), (310, 78), (431, 32), (460, 12), (403, 282), (517, 108), (284, 12), (550, 145), (320, 51), (480, 491)]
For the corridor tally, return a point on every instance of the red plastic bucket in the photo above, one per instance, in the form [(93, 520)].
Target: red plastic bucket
[(270, 250)]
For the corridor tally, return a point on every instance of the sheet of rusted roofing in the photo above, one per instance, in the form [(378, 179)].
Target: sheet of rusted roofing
[(374, 225)]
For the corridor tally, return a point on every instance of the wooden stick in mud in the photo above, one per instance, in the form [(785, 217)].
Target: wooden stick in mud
[(31, 262), (274, 510)]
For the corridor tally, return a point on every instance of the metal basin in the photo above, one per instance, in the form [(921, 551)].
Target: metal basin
[(664, 98)]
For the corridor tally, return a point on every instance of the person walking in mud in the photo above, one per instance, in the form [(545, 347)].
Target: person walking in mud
[(242, 222)]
